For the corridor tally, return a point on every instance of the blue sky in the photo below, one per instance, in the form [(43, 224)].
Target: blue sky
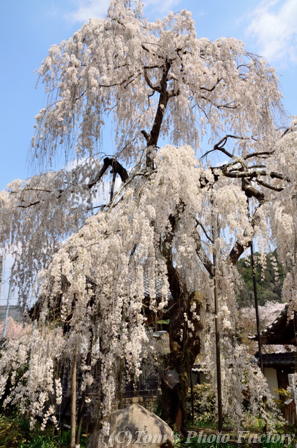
[(28, 28)]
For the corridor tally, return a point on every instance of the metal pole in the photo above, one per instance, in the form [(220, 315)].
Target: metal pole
[(1, 270), (218, 347), (192, 396), (256, 299), (256, 307), (7, 311), (73, 400)]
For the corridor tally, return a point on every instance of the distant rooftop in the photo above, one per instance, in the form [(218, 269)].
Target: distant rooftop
[(14, 312), (282, 331)]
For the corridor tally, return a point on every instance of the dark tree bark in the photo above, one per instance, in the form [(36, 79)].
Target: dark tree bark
[(184, 347), (180, 361), (117, 168)]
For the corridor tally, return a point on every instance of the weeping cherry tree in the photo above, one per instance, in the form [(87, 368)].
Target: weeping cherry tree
[(198, 130)]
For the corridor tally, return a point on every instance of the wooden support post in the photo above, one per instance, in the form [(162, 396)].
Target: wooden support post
[(73, 400)]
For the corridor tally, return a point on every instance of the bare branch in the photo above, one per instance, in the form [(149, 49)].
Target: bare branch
[(117, 168), (149, 83), (220, 145), (128, 80), (202, 255), (237, 251), (213, 87), (28, 205), (145, 134), (251, 191), (275, 175), (243, 175), (271, 187), (204, 231), (258, 154)]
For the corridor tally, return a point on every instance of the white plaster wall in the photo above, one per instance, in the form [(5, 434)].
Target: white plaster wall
[(271, 376)]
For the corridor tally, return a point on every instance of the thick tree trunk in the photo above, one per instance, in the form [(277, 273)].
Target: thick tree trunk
[(184, 348), (175, 385), (184, 341)]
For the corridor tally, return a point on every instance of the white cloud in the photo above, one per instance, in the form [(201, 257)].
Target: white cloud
[(87, 9), (274, 25), (162, 6)]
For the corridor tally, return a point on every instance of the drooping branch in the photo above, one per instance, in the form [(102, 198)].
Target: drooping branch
[(145, 134), (237, 250), (249, 173), (270, 187), (156, 87), (243, 174), (275, 175), (40, 194), (113, 185), (116, 168), (213, 87), (252, 173), (204, 231), (251, 191), (202, 255), (220, 145), (122, 82), (258, 154), (31, 204)]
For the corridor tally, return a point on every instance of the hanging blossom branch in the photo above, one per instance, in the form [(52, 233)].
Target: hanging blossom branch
[(31, 185)]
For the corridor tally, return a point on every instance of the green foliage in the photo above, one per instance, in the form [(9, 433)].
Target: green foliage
[(158, 406), (196, 442), (283, 395), (269, 287), (163, 322), (204, 404), (43, 442), (277, 445), (15, 433)]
